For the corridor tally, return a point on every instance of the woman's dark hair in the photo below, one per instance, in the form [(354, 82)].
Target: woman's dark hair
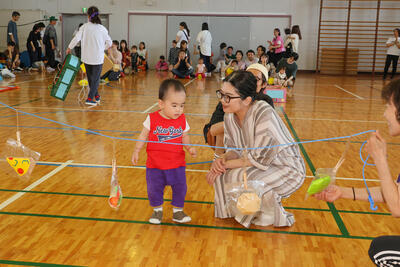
[(262, 48), (296, 30), (244, 82), (183, 24), (204, 26), (287, 31), (398, 30), (239, 51), (94, 16), (222, 45), (35, 27), (126, 46), (144, 45), (170, 84), (279, 31), (80, 24), (41, 25), (184, 42), (391, 93), (230, 47), (263, 55)]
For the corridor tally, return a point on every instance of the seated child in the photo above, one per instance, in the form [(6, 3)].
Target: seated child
[(281, 78), (173, 55), (142, 64), (165, 163), (182, 69), (161, 64), (12, 56), (232, 66), (134, 58), (201, 68)]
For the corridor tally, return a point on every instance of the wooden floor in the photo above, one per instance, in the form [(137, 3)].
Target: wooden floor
[(66, 218)]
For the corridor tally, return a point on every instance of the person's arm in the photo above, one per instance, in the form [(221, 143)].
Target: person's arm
[(10, 31), (177, 63), (186, 141), (144, 135), (335, 192), (389, 43), (53, 47), (178, 36), (77, 38), (33, 47), (187, 63), (376, 147)]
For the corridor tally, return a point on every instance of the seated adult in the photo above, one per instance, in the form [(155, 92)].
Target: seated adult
[(384, 250), (274, 173), (214, 130), (12, 56), (291, 68), (182, 68)]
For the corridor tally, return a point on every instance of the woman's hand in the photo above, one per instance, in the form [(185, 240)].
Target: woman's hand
[(192, 152), (330, 194), (212, 176), (218, 166), (376, 146)]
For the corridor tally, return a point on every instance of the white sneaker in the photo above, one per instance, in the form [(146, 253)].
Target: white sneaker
[(19, 69), (50, 69), (7, 73)]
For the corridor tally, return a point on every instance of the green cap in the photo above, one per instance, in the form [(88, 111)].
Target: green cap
[(52, 18)]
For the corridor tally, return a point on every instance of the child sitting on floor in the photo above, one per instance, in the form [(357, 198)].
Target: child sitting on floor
[(281, 78), (161, 64), (165, 163)]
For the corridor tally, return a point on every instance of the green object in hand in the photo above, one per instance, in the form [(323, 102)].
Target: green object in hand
[(318, 185)]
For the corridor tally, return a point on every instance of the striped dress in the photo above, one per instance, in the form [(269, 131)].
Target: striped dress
[(276, 172)]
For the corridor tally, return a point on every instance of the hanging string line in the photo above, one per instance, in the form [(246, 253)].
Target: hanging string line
[(180, 144)]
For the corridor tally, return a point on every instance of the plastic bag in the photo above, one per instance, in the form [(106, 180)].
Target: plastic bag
[(326, 176), (322, 179), (115, 198), (21, 160), (242, 198)]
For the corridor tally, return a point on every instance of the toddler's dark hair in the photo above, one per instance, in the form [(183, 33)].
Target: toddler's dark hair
[(170, 84)]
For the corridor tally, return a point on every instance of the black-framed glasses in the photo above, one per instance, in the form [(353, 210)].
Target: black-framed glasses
[(226, 98)]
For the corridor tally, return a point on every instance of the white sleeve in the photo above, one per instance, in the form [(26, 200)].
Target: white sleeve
[(108, 41), (187, 128), (146, 123), (198, 39), (76, 39)]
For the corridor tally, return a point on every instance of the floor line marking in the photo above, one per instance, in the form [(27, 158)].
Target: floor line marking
[(34, 184), (359, 97), (190, 170)]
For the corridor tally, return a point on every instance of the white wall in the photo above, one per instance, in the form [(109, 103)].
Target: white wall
[(304, 12)]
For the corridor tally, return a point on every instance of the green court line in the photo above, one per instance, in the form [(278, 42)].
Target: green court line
[(27, 263), (331, 206), (19, 104), (185, 225), (186, 201)]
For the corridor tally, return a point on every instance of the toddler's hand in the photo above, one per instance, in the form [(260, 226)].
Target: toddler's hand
[(135, 158)]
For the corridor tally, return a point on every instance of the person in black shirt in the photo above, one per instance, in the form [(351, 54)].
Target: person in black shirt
[(182, 69), (33, 45)]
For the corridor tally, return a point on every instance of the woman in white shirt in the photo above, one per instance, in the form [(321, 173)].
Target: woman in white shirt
[(393, 53), (204, 40), (94, 40), (295, 36), (183, 34)]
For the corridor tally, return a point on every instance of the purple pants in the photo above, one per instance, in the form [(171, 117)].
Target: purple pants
[(157, 180)]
